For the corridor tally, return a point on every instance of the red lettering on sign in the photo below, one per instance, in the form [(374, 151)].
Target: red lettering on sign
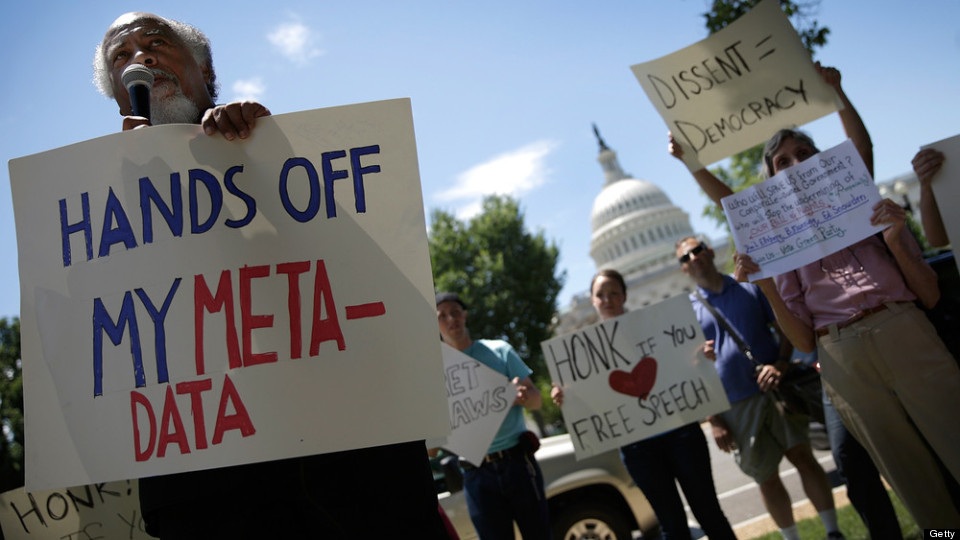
[(204, 301), (179, 435), (324, 326), (136, 398), (239, 420), (250, 322), (152, 442)]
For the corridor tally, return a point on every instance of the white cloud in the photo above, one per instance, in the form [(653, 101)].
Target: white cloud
[(249, 89), (512, 173), (295, 41)]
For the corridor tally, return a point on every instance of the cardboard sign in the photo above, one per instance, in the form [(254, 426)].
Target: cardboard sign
[(190, 302), (736, 88), (479, 399), (108, 511), (804, 213), (634, 376), (946, 185)]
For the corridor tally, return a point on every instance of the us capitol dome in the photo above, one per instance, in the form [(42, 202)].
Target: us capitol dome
[(635, 228)]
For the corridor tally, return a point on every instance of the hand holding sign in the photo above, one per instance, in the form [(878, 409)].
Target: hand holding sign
[(231, 287), (732, 90), (633, 376), (522, 392), (943, 157), (806, 212)]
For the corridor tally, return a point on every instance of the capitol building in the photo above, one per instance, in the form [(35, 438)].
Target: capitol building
[(635, 228)]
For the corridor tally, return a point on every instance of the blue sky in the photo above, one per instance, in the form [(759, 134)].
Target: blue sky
[(504, 93)]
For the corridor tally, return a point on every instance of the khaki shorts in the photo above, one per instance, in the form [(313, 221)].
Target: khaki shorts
[(763, 434)]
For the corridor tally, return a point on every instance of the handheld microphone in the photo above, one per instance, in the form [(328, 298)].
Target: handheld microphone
[(138, 80)]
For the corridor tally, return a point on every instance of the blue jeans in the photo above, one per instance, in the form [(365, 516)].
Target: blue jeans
[(864, 487), (505, 491), (658, 463)]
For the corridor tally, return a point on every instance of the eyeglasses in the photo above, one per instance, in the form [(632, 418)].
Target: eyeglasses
[(696, 250)]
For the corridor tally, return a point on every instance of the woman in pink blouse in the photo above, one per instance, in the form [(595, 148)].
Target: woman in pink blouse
[(887, 372)]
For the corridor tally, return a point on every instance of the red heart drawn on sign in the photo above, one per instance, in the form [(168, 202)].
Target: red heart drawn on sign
[(636, 382)]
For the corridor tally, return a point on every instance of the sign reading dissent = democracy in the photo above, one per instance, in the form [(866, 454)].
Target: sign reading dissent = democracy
[(805, 212), (479, 398), (190, 302), (736, 88), (634, 376)]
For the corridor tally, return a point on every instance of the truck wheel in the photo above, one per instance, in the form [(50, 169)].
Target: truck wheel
[(584, 522)]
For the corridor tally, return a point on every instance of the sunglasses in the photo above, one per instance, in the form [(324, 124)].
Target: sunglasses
[(696, 250)]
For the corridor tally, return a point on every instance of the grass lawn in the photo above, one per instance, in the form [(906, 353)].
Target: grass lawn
[(851, 525)]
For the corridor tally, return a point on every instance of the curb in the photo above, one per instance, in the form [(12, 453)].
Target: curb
[(763, 524)]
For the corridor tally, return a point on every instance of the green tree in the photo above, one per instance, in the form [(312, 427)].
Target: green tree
[(724, 12), (506, 275), (744, 168), (11, 406)]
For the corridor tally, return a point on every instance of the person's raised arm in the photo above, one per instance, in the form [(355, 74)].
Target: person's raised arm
[(926, 164), (853, 125), (709, 183)]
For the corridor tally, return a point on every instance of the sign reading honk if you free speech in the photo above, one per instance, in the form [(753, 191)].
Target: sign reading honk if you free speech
[(634, 376)]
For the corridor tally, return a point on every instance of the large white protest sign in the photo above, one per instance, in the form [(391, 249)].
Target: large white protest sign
[(946, 185), (805, 212), (190, 303), (736, 88), (479, 399), (634, 376), (108, 511)]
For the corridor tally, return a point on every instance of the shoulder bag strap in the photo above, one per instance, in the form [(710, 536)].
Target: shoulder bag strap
[(744, 348)]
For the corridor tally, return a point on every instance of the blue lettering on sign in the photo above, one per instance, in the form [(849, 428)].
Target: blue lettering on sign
[(118, 228)]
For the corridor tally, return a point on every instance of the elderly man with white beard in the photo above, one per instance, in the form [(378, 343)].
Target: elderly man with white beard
[(329, 495)]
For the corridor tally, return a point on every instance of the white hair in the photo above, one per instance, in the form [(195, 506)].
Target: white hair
[(195, 40)]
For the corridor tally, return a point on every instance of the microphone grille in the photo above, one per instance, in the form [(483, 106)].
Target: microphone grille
[(137, 74)]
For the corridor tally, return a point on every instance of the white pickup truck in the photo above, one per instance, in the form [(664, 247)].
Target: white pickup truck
[(594, 498)]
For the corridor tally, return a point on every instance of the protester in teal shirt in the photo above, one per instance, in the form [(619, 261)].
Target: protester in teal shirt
[(507, 485)]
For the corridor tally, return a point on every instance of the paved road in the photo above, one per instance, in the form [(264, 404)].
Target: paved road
[(738, 493)]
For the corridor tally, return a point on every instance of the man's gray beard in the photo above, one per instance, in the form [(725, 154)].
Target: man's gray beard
[(176, 109)]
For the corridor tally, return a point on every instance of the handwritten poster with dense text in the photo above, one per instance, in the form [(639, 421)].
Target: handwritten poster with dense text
[(190, 302), (804, 213), (736, 88), (107, 511), (479, 399), (633, 377)]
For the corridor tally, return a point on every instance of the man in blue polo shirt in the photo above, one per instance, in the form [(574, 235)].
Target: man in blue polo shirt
[(758, 433)]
